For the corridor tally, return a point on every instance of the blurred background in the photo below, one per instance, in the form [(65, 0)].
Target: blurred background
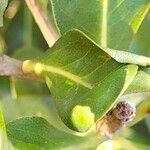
[(21, 38)]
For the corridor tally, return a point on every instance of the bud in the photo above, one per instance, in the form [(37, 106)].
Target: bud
[(124, 111), (82, 117), (116, 118)]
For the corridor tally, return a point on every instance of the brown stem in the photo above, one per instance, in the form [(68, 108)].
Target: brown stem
[(49, 33), (12, 67)]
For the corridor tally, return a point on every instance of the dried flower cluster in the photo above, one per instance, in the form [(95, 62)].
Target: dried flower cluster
[(116, 118)]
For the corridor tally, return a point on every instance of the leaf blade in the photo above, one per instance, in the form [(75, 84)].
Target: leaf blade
[(78, 55), (3, 5), (104, 21), (37, 131)]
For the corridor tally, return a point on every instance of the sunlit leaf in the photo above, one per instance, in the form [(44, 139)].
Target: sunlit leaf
[(32, 105), (78, 72), (110, 24), (141, 83), (37, 131)]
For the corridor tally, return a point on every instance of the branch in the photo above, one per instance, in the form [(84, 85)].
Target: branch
[(42, 21), (12, 67)]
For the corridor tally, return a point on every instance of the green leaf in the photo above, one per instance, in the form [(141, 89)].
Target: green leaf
[(142, 111), (19, 145), (4, 143), (110, 24), (126, 57), (102, 20), (37, 131), (78, 72), (3, 5), (140, 43), (31, 105), (139, 89), (140, 84)]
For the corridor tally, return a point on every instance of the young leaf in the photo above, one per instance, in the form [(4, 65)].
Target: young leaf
[(3, 4), (31, 105), (142, 111), (110, 24), (37, 131), (78, 72)]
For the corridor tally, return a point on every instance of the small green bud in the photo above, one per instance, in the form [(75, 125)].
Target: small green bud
[(38, 68), (27, 66), (82, 117)]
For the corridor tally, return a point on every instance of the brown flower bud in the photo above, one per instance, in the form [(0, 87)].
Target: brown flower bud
[(124, 111), (116, 118)]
